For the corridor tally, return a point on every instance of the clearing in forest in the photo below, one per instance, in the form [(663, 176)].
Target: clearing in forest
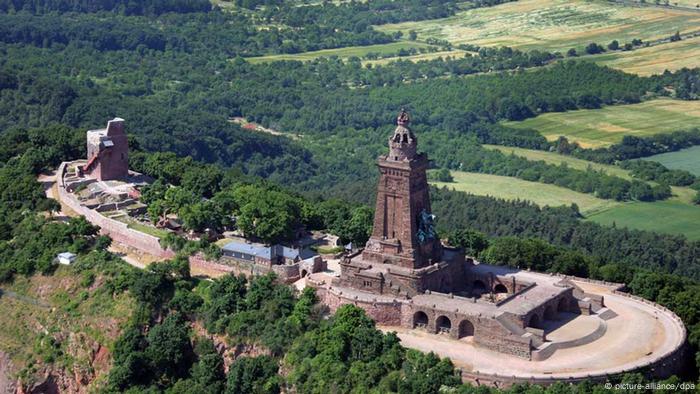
[(655, 59), (553, 25), (670, 216), (607, 125), (686, 159), (389, 49), (677, 215), (455, 53), (510, 188), (557, 159)]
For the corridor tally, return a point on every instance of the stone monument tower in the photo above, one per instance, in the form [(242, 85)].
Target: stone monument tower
[(404, 256), (403, 232)]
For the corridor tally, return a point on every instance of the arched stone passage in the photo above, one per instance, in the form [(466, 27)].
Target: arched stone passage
[(420, 320), (443, 325), (500, 289), (534, 321), (573, 306), (478, 287), (304, 273), (466, 329), (563, 305), (550, 313)]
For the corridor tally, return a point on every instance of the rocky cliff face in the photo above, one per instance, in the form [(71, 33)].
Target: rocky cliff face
[(58, 329), (76, 379), (7, 385)]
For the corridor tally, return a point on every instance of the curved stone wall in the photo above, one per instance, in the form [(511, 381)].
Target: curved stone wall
[(150, 244), (118, 231), (660, 366)]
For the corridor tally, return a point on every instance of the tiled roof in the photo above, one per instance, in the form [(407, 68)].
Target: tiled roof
[(252, 249), (268, 251)]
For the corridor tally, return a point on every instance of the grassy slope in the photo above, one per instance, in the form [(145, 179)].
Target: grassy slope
[(607, 125), (359, 51), (672, 216), (557, 159), (686, 159), (676, 216), (512, 189), (456, 53), (79, 317), (655, 59), (555, 25)]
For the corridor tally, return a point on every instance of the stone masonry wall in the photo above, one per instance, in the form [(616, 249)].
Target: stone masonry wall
[(118, 231), (150, 244), (384, 313)]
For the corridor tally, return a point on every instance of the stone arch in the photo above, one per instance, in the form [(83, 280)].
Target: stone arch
[(420, 320), (443, 325), (466, 329), (573, 306), (478, 287), (500, 288), (304, 273), (563, 305), (550, 312), (535, 321)]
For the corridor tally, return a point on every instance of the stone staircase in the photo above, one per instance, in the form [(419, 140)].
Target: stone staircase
[(515, 329)]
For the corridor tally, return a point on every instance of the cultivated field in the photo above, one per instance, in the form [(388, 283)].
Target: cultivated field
[(606, 126), (686, 159), (654, 59), (343, 53), (670, 216), (456, 53), (557, 159), (554, 25), (677, 215), (509, 188)]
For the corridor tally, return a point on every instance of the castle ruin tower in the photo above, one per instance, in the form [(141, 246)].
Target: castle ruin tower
[(403, 232), (107, 152)]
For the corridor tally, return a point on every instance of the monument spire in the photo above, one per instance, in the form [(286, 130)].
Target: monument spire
[(403, 232), (402, 144)]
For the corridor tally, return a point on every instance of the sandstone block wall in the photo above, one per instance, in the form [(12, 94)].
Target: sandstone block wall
[(150, 244), (384, 313), (118, 231)]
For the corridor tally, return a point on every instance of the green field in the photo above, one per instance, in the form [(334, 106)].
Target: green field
[(456, 53), (670, 216), (607, 125), (509, 188), (343, 53), (554, 25), (676, 215), (686, 159), (557, 159), (654, 59)]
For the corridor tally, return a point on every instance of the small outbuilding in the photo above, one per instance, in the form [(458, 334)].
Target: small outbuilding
[(66, 258)]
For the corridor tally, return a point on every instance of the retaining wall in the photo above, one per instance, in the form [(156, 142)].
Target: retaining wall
[(382, 312), (116, 230), (149, 244), (660, 366)]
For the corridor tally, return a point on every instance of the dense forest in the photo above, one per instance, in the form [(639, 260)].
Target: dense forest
[(180, 99), (159, 349), (177, 71)]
